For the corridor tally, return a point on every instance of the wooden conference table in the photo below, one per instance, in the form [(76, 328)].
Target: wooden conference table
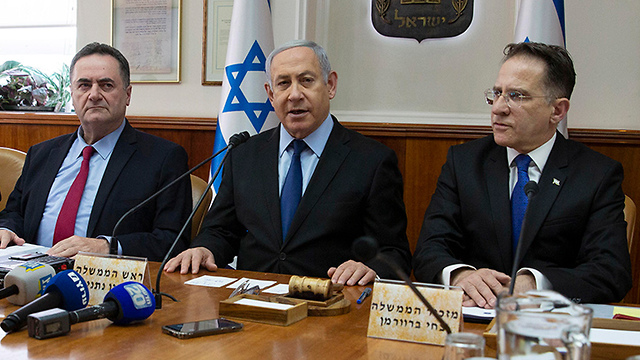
[(336, 337)]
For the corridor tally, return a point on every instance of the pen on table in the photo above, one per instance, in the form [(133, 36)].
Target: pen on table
[(364, 295)]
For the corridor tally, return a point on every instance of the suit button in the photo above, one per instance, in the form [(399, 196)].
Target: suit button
[(282, 256)]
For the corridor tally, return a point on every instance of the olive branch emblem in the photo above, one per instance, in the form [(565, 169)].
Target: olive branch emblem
[(458, 6), (383, 6)]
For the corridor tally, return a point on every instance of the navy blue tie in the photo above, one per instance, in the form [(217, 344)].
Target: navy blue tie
[(292, 188), (519, 199)]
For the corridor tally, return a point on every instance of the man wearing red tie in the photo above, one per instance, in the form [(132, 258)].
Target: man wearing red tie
[(74, 188)]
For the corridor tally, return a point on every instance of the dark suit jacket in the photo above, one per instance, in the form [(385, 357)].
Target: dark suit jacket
[(356, 190), (140, 165), (576, 233)]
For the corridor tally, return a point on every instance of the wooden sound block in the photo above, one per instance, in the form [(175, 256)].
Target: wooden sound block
[(338, 308), (319, 303)]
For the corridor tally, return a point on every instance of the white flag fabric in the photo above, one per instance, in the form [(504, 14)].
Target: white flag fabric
[(542, 21), (244, 105)]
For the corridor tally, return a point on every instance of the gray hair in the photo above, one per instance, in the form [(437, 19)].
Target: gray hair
[(321, 55)]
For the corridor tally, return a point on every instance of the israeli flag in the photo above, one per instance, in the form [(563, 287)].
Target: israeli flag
[(244, 105), (542, 21)]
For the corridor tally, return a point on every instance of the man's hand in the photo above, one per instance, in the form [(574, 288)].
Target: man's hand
[(524, 283), (350, 273), (480, 286), (193, 258), (7, 237), (72, 245)]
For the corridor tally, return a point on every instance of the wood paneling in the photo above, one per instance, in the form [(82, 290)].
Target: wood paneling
[(421, 152)]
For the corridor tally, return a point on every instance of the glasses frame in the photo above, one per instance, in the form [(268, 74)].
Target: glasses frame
[(517, 99)]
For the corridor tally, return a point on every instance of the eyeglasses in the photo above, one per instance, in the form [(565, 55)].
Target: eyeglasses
[(516, 97)]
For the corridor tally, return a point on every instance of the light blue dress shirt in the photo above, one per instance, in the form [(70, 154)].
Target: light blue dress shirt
[(309, 157), (66, 175)]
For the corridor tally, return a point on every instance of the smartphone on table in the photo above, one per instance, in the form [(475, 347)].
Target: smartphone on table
[(201, 328)]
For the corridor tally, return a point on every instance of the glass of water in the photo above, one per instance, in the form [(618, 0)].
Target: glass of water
[(458, 346), (542, 323)]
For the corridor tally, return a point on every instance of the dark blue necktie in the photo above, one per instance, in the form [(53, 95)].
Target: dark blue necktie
[(519, 199), (292, 188)]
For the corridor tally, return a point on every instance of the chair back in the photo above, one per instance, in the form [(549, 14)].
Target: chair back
[(11, 162), (630, 218), (198, 187)]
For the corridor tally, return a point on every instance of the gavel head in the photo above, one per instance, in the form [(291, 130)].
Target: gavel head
[(310, 288)]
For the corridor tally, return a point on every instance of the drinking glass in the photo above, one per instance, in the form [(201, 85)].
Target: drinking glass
[(542, 324), (462, 345)]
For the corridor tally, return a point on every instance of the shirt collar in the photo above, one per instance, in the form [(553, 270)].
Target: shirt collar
[(103, 147), (316, 141), (539, 155)]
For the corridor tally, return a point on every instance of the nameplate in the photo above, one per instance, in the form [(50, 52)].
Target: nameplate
[(103, 272), (398, 314)]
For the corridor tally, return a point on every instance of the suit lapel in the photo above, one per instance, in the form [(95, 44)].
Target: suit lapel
[(122, 152), (332, 157), (267, 163), (496, 176), (56, 156), (551, 182)]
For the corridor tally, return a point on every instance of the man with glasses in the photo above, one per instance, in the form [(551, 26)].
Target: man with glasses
[(575, 236)]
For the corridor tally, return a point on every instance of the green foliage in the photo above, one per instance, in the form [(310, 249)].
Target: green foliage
[(22, 85)]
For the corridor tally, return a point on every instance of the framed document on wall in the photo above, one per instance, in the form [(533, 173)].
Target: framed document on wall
[(215, 37), (148, 34)]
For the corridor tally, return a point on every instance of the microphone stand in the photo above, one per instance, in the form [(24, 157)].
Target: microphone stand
[(530, 189), (234, 141), (156, 292), (113, 244)]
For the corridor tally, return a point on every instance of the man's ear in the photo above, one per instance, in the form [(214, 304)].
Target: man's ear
[(267, 88), (332, 83), (560, 109)]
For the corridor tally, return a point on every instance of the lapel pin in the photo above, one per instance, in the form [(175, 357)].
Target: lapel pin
[(556, 182)]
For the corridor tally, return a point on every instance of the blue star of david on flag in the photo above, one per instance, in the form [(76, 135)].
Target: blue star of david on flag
[(257, 112)]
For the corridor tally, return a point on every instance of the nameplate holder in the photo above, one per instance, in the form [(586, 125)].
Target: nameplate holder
[(103, 272), (398, 314)]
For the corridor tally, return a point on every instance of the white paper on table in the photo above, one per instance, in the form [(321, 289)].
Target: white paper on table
[(252, 282), (618, 337), (210, 281), (277, 289), (263, 304)]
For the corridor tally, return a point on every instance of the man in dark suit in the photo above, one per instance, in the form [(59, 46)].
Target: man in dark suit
[(575, 240), (351, 187), (124, 167)]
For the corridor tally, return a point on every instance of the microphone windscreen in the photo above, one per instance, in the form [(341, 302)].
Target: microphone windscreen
[(364, 248), (31, 278), (239, 138), (72, 287), (134, 300), (531, 188)]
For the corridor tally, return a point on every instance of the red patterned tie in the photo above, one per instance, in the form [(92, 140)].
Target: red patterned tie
[(67, 218)]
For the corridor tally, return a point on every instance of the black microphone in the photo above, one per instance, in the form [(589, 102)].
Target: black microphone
[(365, 248), (530, 189), (235, 140)]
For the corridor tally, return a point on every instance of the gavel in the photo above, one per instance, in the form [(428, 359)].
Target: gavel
[(312, 288)]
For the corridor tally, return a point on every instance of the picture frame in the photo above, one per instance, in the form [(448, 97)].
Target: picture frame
[(149, 35), (215, 37)]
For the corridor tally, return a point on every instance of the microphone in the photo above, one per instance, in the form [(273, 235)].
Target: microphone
[(66, 290), (234, 141), (128, 302), (530, 189), (365, 248), (26, 282)]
